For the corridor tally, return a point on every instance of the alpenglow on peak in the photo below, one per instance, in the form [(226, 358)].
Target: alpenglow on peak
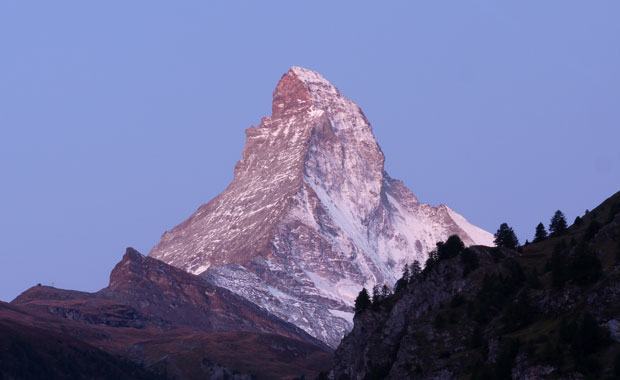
[(311, 216)]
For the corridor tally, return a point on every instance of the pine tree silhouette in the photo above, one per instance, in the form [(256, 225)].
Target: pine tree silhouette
[(541, 233), (506, 237), (362, 302), (558, 223)]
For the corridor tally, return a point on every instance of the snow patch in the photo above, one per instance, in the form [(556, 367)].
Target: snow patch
[(346, 315), (478, 235)]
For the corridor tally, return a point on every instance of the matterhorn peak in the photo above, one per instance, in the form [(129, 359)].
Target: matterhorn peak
[(300, 89), (311, 216), (314, 81)]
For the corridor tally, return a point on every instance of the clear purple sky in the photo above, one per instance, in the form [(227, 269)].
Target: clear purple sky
[(119, 118)]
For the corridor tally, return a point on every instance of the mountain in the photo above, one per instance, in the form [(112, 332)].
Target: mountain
[(154, 321), (550, 310), (311, 216), (31, 350)]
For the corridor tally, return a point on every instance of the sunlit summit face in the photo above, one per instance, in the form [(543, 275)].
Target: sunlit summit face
[(311, 216)]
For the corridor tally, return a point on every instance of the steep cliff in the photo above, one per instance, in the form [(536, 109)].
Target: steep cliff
[(550, 310), (311, 215)]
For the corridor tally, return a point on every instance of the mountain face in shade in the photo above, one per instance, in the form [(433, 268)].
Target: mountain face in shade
[(152, 321), (549, 311), (311, 215), (146, 292)]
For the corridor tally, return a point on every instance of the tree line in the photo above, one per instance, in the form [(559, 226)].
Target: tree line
[(505, 236), (584, 267)]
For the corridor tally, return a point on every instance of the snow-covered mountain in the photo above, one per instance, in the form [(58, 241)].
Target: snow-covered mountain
[(311, 215)]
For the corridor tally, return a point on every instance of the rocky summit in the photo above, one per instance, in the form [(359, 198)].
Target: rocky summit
[(311, 215)]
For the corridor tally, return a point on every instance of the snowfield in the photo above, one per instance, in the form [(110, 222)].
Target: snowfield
[(311, 216)]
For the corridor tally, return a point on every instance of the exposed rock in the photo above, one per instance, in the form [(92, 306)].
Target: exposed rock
[(311, 216), (510, 317), (169, 322)]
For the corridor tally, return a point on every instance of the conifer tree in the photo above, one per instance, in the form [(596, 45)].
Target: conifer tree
[(541, 233), (385, 292), (376, 294), (558, 223), (415, 270), (362, 302), (404, 280), (406, 273), (506, 237), (451, 248), (433, 258)]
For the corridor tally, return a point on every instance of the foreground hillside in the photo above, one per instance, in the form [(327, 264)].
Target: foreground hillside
[(31, 349), (549, 310), (152, 321)]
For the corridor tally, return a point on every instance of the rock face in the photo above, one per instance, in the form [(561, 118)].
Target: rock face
[(491, 313), (146, 292), (311, 215), (152, 321)]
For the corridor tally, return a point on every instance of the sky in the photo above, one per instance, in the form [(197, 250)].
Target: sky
[(119, 118)]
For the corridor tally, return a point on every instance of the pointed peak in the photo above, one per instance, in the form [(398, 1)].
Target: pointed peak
[(132, 254), (308, 76), (131, 263), (299, 88), (313, 80)]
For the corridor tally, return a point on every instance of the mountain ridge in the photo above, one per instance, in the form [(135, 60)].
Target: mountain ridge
[(311, 215), (548, 310), (154, 319)]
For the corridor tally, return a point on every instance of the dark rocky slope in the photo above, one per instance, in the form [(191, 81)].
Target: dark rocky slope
[(31, 351), (550, 310), (154, 320)]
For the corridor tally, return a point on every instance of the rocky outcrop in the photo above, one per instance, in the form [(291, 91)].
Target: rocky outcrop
[(549, 311), (311, 215), (169, 323)]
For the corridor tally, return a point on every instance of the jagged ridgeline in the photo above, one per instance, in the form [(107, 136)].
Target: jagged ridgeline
[(153, 321), (311, 215), (550, 309)]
